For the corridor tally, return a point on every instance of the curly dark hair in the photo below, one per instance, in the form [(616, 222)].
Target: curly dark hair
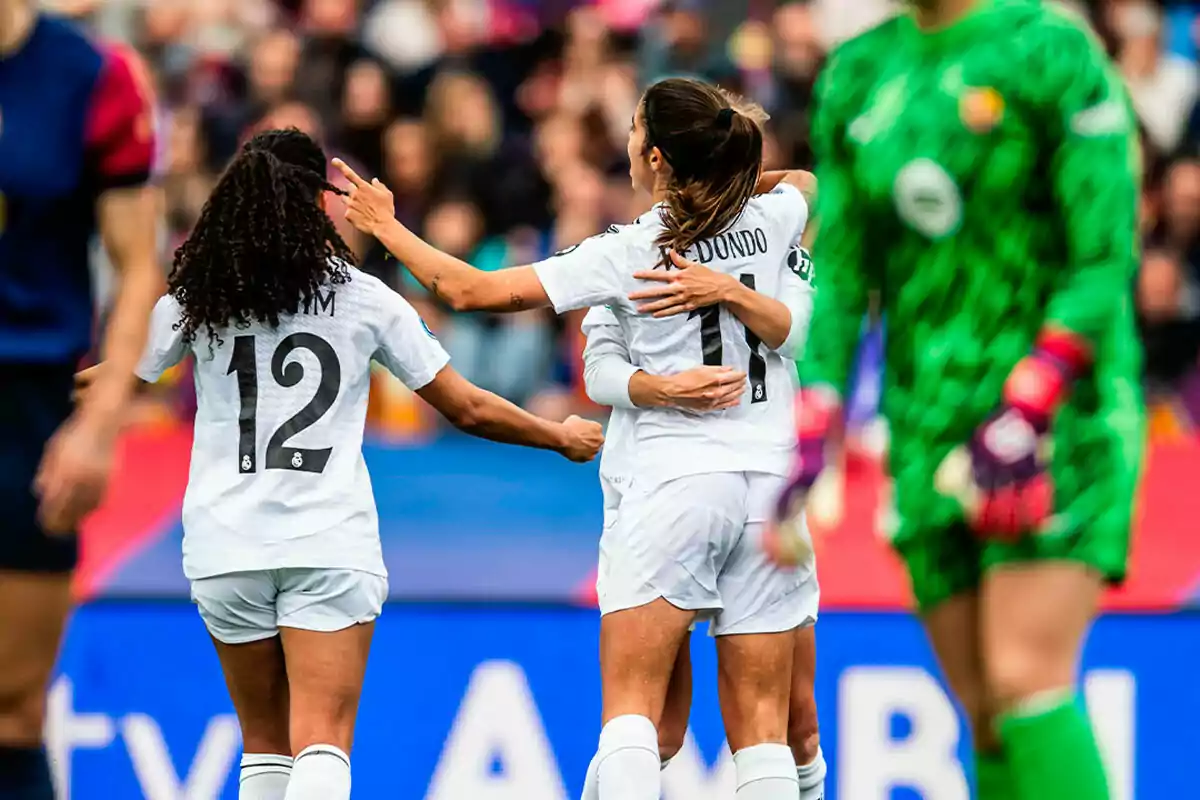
[(263, 244)]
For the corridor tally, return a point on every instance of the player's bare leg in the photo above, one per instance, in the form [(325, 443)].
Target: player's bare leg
[(804, 735), (638, 649), (325, 676), (953, 630), (1035, 617), (33, 613), (754, 681), (258, 686), (672, 725), (953, 627)]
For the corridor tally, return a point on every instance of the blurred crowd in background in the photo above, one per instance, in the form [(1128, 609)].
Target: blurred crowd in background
[(501, 125)]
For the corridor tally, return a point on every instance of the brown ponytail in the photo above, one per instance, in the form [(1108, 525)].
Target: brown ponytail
[(713, 142)]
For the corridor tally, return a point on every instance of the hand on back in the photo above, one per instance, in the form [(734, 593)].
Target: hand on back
[(705, 388), (682, 290)]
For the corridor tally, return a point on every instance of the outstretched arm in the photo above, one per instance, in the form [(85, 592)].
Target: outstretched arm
[(370, 207), (408, 349), (489, 416), (806, 182)]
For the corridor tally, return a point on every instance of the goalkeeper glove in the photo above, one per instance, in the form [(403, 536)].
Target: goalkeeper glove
[(786, 539), (1000, 477)]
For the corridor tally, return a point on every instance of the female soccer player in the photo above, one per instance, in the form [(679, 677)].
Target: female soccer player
[(612, 380), (76, 155), (281, 539), (684, 543), (994, 210)]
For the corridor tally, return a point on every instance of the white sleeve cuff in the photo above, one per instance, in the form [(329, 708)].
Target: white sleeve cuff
[(607, 381), (793, 346)]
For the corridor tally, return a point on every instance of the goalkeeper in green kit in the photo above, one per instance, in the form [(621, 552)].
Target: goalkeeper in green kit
[(979, 170)]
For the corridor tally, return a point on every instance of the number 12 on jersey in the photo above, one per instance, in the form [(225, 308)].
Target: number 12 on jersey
[(279, 455), (713, 352)]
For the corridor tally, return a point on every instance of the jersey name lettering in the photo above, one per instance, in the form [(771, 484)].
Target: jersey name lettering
[(731, 244), (320, 303)]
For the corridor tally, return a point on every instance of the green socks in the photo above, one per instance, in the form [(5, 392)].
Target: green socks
[(993, 780), (1052, 754)]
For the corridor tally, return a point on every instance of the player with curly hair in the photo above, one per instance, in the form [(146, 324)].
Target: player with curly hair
[(281, 540)]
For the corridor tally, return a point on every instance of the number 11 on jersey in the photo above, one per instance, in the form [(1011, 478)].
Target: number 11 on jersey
[(712, 350)]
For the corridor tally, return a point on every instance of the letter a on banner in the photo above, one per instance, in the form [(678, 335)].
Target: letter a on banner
[(497, 749)]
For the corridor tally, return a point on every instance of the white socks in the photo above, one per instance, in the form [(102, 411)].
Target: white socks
[(591, 787), (766, 772), (320, 772), (264, 777), (627, 766), (812, 778)]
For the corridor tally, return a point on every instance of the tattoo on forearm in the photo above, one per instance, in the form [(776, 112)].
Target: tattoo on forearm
[(516, 302), (433, 286)]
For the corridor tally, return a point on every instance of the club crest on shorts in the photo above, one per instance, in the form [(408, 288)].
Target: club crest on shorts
[(981, 109)]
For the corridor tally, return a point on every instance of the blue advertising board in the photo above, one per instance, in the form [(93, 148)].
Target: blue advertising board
[(474, 702)]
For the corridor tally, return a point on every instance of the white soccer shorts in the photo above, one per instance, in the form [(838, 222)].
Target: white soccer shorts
[(612, 502), (241, 607), (694, 541)]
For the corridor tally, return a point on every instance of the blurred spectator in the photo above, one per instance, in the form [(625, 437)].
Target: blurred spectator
[(404, 33), (677, 43), (330, 46), (366, 111), (798, 58), (1170, 319), (464, 123), (408, 167), (1163, 86), (1169, 284), (270, 76), (186, 181)]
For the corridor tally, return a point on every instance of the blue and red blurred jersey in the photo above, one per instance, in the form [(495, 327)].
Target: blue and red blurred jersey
[(76, 120)]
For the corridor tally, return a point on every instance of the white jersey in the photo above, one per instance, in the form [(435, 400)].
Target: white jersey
[(277, 475), (601, 328), (757, 436), (616, 458)]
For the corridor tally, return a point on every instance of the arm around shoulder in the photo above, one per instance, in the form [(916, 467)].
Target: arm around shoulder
[(804, 181)]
